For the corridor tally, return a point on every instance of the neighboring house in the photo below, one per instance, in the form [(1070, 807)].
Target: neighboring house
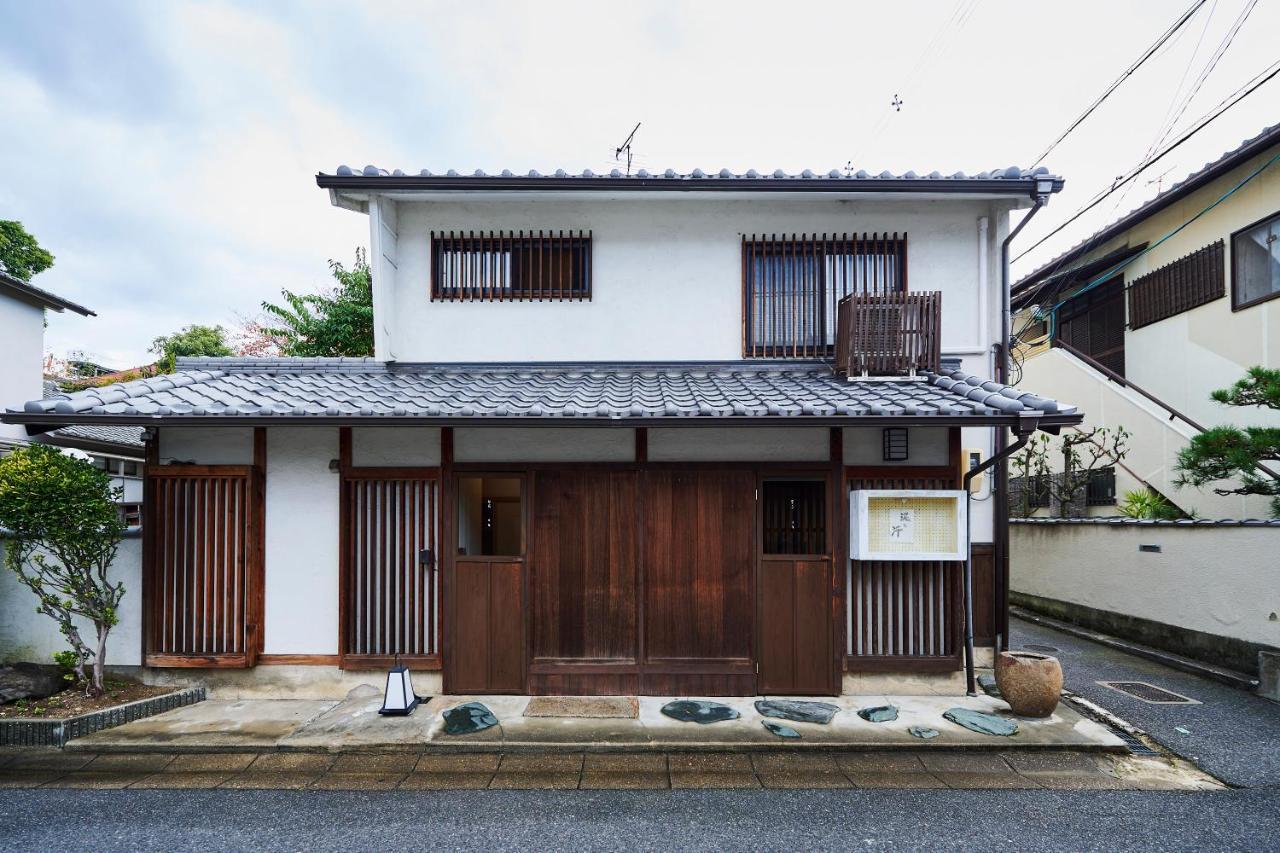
[(610, 442), (116, 449), (1141, 321)]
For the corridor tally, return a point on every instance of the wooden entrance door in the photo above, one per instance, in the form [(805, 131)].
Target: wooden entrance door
[(699, 560), (486, 651), (583, 581), (796, 652)]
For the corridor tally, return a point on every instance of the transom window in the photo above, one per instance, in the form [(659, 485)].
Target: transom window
[(1255, 263), (508, 265), (793, 284)]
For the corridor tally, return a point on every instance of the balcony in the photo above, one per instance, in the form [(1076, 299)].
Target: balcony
[(888, 334)]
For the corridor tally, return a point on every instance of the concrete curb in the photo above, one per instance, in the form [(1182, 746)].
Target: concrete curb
[(31, 732), (1222, 675)]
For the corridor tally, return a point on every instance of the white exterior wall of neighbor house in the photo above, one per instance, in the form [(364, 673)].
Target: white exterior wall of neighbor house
[(1188, 584), (22, 330), (666, 274), (26, 635)]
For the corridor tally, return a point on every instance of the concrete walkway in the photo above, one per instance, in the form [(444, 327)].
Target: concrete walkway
[(354, 725)]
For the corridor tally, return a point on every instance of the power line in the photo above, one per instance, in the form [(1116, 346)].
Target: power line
[(1177, 25), (1231, 100)]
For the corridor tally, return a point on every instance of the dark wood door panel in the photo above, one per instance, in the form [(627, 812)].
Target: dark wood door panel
[(487, 655), (699, 537), (795, 627), (583, 555)]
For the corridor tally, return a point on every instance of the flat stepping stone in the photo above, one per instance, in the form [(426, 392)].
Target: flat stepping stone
[(988, 685), (923, 732), (467, 718), (699, 711), (977, 721), (800, 712), (779, 729), (879, 714)]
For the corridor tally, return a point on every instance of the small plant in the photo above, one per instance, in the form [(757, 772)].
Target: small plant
[(67, 661), (1147, 503)]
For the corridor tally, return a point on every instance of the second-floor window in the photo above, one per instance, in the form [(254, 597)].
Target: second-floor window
[(793, 284), (510, 265), (1255, 262)]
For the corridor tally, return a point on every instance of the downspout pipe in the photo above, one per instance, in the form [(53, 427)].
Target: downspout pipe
[(1028, 423), (998, 492)]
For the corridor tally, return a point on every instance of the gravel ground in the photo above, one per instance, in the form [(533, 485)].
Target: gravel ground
[(1234, 735), (616, 820)]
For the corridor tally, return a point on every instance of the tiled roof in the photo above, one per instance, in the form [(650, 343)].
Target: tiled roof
[(349, 389), (126, 436), (1008, 173), (1246, 150)]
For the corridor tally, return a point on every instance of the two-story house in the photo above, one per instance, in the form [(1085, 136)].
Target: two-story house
[(662, 434)]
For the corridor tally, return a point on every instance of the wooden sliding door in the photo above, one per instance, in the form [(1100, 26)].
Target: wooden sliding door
[(583, 581), (699, 568), (390, 580), (204, 570)]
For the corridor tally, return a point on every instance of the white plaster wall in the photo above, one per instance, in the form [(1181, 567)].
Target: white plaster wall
[(26, 635), (22, 334), (301, 614), (739, 444), (206, 445), (545, 444), (1220, 580), (666, 273), (395, 446), (925, 446)]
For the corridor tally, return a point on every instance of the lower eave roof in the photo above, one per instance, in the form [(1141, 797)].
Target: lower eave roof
[(346, 391)]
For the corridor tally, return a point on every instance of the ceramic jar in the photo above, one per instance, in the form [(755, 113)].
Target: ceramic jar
[(1031, 683)]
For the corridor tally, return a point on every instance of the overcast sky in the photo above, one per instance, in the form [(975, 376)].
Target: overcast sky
[(165, 152)]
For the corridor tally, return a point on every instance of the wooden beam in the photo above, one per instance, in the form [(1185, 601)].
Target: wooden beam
[(256, 576)]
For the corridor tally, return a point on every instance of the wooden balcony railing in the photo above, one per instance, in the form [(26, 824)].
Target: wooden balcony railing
[(889, 334)]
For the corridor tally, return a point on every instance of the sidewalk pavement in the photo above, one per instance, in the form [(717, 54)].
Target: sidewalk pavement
[(354, 725), (1232, 734), (962, 769)]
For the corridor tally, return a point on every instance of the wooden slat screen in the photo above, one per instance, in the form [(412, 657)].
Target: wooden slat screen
[(501, 266), (391, 585), (1093, 323), (1186, 283), (791, 286), (902, 609), (899, 614), (885, 334), (205, 539)]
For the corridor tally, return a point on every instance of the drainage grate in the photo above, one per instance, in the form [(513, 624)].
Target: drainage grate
[(1149, 693), (1040, 647), (1135, 744)]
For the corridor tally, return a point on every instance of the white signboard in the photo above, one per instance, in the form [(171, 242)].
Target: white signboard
[(907, 524)]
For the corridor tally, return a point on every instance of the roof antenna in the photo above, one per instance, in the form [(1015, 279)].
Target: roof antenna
[(626, 146)]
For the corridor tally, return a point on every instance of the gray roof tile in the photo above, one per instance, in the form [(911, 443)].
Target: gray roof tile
[(367, 388), (1006, 173)]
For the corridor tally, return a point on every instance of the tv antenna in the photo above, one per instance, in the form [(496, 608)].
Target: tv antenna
[(626, 146)]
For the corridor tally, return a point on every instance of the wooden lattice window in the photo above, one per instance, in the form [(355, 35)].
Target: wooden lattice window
[(793, 284), (502, 266), (1187, 283), (795, 517)]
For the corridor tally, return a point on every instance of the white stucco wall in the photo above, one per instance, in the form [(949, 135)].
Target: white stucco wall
[(301, 613), (739, 444), (666, 273), (26, 635), (1220, 580), (373, 447), (206, 445), (544, 444), (22, 333)]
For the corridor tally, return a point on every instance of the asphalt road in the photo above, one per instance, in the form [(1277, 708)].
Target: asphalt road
[(1233, 734), (616, 820)]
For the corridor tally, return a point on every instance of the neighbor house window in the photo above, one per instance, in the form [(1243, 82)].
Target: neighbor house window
[(508, 265), (130, 513), (1255, 263), (792, 286), (1101, 488)]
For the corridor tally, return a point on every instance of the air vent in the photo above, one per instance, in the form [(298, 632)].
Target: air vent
[(1149, 693)]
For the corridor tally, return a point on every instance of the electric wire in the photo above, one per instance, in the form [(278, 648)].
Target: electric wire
[(1147, 54)]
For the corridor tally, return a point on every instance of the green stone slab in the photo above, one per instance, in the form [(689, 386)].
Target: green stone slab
[(699, 711), (879, 714), (779, 729), (468, 718), (986, 724)]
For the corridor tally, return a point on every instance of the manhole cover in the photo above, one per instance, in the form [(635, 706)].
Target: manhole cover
[(1149, 693), (1039, 647)]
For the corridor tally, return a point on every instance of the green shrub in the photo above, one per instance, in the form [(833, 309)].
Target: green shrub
[(1147, 503)]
